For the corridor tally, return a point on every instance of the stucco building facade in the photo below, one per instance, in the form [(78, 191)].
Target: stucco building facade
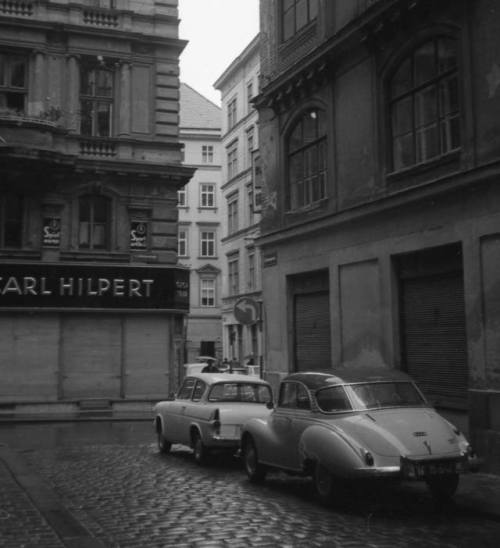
[(200, 223), (92, 300), (239, 84), (381, 208)]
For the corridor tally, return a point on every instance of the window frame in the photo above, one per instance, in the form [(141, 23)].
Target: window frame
[(8, 87), (207, 243), (232, 112), (93, 223), (210, 292), (292, 11), (207, 154), (233, 274), (232, 213), (443, 114), (301, 155), (183, 241), (96, 100), (207, 196), (232, 160)]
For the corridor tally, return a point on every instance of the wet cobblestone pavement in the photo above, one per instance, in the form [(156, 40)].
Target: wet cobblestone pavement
[(131, 496)]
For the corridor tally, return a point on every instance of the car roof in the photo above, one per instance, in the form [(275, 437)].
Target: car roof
[(211, 378), (319, 379)]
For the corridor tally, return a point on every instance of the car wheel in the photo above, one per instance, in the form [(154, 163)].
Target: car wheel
[(443, 488), (323, 483), (164, 445), (256, 471), (200, 452)]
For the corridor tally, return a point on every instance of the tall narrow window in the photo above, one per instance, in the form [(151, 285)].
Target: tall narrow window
[(207, 243), (251, 281), (232, 214), (424, 104), (307, 160), (181, 198), (207, 195), (96, 102), (234, 274), (296, 14), (231, 113), (250, 145), (249, 96), (182, 243), (11, 220), (94, 218), (13, 83), (232, 160), (207, 292)]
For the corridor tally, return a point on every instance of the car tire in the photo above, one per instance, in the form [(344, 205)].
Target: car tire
[(443, 488), (323, 483), (200, 451), (256, 471), (164, 445)]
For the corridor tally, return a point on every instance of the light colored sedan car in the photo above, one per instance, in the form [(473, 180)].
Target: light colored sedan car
[(352, 425), (209, 411)]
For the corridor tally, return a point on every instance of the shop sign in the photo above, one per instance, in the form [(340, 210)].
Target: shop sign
[(138, 235), (93, 287), (51, 232)]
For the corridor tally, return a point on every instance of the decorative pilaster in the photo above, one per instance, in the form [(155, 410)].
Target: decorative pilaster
[(125, 101), (73, 94)]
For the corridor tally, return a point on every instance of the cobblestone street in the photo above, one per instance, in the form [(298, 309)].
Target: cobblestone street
[(125, 494)]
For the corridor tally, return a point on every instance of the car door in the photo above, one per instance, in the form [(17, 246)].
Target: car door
[(286, 424), (193, 411), (174, 419)]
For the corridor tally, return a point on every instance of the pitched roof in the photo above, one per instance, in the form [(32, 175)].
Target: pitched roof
[(196, 111)]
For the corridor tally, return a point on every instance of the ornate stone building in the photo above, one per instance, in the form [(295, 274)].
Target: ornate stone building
[(379, 139), (92, 302)]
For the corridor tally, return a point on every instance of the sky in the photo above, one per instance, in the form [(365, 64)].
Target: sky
[(217, 31)]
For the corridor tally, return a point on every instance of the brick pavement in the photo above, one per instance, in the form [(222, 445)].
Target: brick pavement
[(130, 496)]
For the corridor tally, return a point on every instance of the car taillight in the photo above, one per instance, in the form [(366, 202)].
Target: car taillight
[(216, 419)]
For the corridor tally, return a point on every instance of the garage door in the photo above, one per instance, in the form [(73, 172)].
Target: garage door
[(312, 331), (91, 356), (434, 337)]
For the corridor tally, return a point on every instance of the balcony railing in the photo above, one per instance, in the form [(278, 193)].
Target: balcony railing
[(100, 18), (16, 8), (101, 148)]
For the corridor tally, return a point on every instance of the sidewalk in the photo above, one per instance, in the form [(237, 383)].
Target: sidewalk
[(31, 513)]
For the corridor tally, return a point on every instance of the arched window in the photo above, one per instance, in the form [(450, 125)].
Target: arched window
[(94, 215), (424, 104), (306, 147)]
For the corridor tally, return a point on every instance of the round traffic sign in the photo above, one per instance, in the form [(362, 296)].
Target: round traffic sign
[(246, 311)]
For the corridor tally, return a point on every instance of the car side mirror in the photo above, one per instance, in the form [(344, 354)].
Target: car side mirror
[(171, 396), (270, 405)]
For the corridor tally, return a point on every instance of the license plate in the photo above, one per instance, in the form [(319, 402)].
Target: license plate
[(418, 470)]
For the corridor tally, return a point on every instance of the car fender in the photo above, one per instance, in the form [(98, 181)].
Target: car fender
[(266, 441), (332, 448)]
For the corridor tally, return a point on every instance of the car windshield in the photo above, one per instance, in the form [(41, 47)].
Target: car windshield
[(374, 395), (245, 392)]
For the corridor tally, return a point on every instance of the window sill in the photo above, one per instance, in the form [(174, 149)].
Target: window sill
[(18, 253), (310, 208), (419, 171)]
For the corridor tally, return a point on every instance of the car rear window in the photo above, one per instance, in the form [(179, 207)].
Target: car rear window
[(386, 394), (333, 399), (244, 392)]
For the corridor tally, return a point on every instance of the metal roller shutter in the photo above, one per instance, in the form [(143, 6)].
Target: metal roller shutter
[(434, 337), (312, 331)]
